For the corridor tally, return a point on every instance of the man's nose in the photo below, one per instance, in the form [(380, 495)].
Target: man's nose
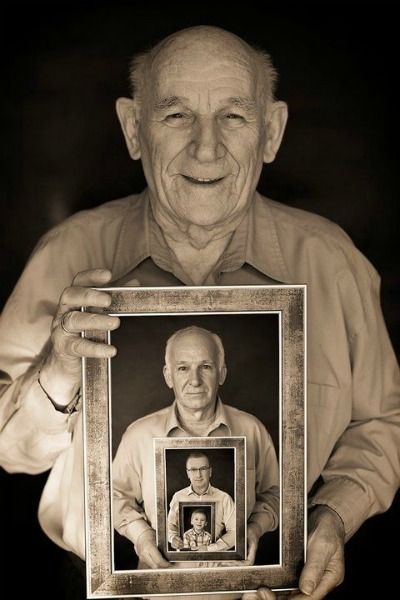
[(206, 145), (194, 377)]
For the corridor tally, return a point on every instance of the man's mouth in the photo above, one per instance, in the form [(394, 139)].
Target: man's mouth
[(203, 180)]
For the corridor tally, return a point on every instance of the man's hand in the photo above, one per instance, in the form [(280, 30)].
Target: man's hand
[(61, 373), (147, 551), (177, 542), (253, 537), (324, 567)]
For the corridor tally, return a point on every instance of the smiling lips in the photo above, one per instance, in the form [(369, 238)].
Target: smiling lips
[(203, 180)]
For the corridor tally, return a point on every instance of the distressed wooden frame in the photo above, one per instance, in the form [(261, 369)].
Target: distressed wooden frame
[(102, 581), (237, 444)]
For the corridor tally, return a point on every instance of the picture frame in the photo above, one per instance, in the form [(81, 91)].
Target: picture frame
[(171, 454), (247, 311)]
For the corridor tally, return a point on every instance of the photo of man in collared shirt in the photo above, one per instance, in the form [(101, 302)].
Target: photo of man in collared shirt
[(199, 472)]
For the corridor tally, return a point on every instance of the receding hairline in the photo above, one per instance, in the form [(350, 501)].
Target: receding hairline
[(201, 332), (142, 63), (198, 454)]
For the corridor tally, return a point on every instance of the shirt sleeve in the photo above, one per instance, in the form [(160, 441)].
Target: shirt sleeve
[(130, 519), (266, 509), (32, 431), (362, 474), (173, 518), (227, 540)]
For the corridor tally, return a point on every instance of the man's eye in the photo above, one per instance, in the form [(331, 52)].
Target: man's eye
[(207, 367), (178, 119), (182, 368), (234, 119)]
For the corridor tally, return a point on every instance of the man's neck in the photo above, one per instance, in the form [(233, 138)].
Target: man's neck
[(198, 263), (196, 422), (197, 249), (201, 491)]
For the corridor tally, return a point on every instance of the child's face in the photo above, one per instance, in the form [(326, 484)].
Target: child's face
[(198, 522)]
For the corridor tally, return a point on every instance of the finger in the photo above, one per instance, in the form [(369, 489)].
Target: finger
[(261, 594), (251, 553), (333, 576), (77, 321), (157, 561), (81, 347), (320, 551), (92, 277), (75, 297)]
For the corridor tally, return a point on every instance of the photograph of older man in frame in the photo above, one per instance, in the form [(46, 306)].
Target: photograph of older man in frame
[(252, 351)]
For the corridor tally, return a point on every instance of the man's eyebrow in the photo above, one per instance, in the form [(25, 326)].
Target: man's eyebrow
[(246, 104), (167, 102)]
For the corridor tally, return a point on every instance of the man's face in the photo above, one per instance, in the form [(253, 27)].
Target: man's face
[(198, 522), (193, 372), (199, 473), (202, 133)]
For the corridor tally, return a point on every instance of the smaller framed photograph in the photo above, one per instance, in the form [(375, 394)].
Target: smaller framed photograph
[(196, 525), (201, 498)]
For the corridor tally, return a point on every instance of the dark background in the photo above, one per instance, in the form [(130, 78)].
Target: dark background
[(63, 65)]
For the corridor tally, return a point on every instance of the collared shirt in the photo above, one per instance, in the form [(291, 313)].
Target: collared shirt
[(134, 502), (353, 378), (191, 539), (224, 517)]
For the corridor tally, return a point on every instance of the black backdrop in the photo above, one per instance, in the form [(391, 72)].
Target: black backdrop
[(64, 63)]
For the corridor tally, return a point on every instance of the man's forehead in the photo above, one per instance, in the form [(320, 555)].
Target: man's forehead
[(198, 459), (192, 343), (198, 65)]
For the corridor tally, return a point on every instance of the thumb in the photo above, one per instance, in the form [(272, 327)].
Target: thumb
[(319, 554)]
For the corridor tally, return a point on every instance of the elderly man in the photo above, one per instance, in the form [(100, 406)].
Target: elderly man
[(203, 120), (199, 472), (194, 369)]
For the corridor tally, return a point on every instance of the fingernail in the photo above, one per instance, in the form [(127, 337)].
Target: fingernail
[(307, 587)]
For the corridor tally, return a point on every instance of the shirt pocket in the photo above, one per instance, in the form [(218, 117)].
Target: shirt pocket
[(328, 414)]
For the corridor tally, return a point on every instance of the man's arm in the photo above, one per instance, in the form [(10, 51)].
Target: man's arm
[(129, 517), (227, 540), (363, 471), (173, 524), (33, 349)]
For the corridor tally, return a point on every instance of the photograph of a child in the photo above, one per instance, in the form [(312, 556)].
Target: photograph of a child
[(197, 538)]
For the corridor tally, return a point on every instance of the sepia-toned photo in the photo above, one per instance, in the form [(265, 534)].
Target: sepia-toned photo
[(201, 498), (199, 241), (197, 414)]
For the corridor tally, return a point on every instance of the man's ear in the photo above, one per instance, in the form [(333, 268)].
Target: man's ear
[(222, 375), (277, 115), (167, 376), (128, 115)]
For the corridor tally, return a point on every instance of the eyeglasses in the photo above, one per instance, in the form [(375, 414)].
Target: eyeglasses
[(200, 469)]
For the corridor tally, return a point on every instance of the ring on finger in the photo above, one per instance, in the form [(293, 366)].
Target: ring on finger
[(64, 328)]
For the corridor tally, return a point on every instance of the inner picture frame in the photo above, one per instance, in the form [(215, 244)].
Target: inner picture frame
[(177, 504), (272, 320)]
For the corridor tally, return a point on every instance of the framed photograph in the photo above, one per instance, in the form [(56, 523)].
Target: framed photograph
[(207, 391), (207, 526)]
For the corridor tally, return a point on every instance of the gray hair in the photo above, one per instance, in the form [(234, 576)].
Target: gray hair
[(141, 63), (199, 330), (198, 454)]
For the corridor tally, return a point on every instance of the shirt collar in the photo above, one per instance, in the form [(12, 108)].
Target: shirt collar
[(255, 241), (190, 491), (221, 418)]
